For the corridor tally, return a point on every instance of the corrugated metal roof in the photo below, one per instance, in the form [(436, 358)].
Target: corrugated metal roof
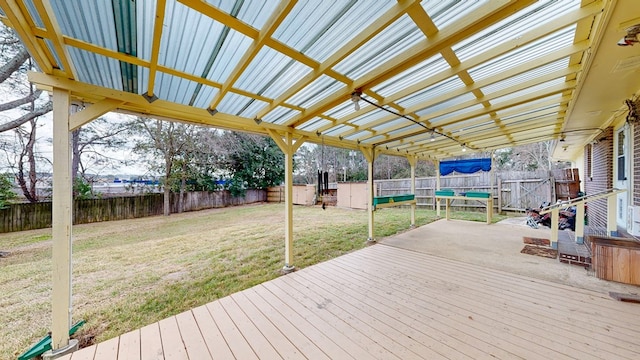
[(268, 66)]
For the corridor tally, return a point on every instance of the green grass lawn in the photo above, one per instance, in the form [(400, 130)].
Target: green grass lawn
[(130, 273)]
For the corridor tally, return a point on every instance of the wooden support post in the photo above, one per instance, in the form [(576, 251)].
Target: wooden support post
[(62, 210), (437, 164), (555, 215), (492, 174), (289, 148), (370, 155), (612, 227), (579, 222), (447, 210), (412, 163)]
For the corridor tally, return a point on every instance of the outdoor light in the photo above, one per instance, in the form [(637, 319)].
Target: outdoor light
[(355, 97), (562, 137), (464, 147), (433, 136)]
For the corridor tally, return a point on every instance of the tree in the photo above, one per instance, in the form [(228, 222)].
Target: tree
[(24, 104), (530, 157), (6, 190), (91, 146), (252, 161), (163, 144), (27, 157)]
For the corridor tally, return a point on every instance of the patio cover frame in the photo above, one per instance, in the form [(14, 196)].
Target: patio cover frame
[(476, 75)]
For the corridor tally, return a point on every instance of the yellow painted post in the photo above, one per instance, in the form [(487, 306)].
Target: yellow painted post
[(369, 154), (489, 209), (437, 164), (555, 215), (412, 162), (288, 200), (447, 207), (289, 148), (579, 219), (612, 227), (62, 205)]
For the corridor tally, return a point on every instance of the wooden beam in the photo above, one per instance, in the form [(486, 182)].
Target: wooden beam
[(363, 36), (222, 17), (92, 112), (277, 17), (487, 98), (288, 145), (158, 27), (540, 94), (484, 17), (47, 16), (62, 206), (21, 25)]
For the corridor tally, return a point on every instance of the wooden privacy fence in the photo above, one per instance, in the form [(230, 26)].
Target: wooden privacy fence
[(511, 190), (19, 217)]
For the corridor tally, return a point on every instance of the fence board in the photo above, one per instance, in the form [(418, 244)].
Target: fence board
[(20, 217), (520, 189)]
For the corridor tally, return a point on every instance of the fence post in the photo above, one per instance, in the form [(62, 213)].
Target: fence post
[(499, 195)]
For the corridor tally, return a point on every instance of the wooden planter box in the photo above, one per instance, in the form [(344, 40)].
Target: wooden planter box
[(616, 259)]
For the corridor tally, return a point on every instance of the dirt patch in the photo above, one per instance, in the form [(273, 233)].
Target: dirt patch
[(540, 251), (86, 337), (536, 241)]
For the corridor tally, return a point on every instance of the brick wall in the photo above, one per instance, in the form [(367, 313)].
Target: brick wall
[(602, 169), (636, 164)]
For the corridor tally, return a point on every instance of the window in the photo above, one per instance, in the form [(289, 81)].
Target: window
[(621, 156)]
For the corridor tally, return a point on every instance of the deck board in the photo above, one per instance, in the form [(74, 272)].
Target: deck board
[(254, 337), (301, 340), (488, 317), (151, 343), (232, 335), (129, 347), (218, 347), (384, 302), (556, 315), (193, 341), (172, 343)]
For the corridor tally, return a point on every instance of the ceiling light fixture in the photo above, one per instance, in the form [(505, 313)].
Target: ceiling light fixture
[(433, 136), (631, 36), (562, 137), (464, 147), (355, 97)]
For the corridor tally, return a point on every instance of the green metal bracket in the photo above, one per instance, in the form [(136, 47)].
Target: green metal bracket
[(45, 343)]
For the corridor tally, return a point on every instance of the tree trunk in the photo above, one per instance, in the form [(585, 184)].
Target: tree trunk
[(183, 184), (29, 190), (167, 186)]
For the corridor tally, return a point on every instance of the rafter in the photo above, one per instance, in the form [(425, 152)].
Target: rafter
[(487, 15), (158, 26), (48, 18), (23, 27), (325, 67), (272, 25)]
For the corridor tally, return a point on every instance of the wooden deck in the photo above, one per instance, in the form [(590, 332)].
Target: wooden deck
[(384, 302)]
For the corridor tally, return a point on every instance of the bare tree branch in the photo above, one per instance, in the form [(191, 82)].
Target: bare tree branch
[(27, 117), (14, 64), (25, 100)]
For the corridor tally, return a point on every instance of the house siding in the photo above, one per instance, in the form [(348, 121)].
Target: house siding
[(636, 165), (601, 159)]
